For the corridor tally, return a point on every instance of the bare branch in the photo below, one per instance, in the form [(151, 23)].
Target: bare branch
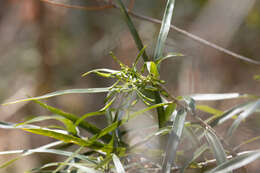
[(91, 8)]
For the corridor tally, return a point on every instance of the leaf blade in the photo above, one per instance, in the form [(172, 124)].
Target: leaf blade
[(62, 92), (165, 27)]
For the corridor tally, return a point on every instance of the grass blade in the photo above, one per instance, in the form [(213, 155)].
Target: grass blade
[(83, 124), (169, 55), (63, 92), (242, 116), (104, 72), (118, 164), (132, 29), (230, 113), (165, 27), (213, 97), (71, 128), (237, 162), (174, 140), (216, 147)]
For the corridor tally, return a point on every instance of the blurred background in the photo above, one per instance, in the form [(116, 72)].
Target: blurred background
[(44, 48)]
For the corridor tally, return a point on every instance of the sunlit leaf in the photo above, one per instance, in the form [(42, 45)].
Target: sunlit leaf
[(191, 103), (165, 27), (83, 124), (169, 110), (208, 109), (230, 113), (25, 153), (64, 137), (174, 140), (63, 92), (118, 165), (169, 55), (212, 97), (103, 72), (236, 162), (68, 123), (242, 116), (152, 69), (216, 147)]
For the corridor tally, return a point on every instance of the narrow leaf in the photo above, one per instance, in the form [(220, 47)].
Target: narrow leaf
[(242, 116), (237, 162), (230, 113), (102, 72), (169, 55), (152, 69), (216, 147), (213, 97), (63, 92), (174, 140), (118, 164), (83, 124), (68, 123), (132, 29), (165, 27)]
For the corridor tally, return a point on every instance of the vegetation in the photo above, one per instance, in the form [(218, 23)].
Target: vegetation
[(137, 91)]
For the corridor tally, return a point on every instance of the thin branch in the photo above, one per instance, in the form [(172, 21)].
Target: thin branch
[(198, 39), (91, 8), (139, 16)]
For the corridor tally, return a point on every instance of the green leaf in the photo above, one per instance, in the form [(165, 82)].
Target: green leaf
[(132, 29), (165, 27), (237, 162), (160, 110), (174, 140), (63, 92), (88, 115), (213, 97), (216, 147), (208, 109), (139, 55), (60, 135), (68, 123), (103, 72), (169, 110), (9, 162), (230, 113), (152, 69), (247, 142), (57, 134), (242, 116), (83, 124), (169, 55), (257, 77), (118, 164)]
